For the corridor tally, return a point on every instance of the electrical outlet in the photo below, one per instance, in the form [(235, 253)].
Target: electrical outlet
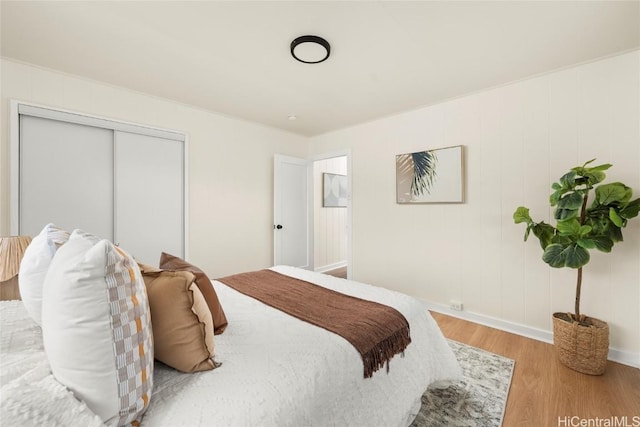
[(455, 305)]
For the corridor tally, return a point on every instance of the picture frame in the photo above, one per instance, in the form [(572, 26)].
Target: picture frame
[(334, 190), (432, 176)]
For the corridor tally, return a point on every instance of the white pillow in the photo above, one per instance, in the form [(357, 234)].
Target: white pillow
[(34, 266), (96, 328)]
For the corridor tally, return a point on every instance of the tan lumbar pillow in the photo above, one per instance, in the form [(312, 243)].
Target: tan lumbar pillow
[(181, 321)]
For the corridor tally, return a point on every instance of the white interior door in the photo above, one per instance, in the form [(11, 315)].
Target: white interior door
[(291, 231)]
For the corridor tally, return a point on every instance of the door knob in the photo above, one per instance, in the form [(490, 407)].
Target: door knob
[(279, 227)]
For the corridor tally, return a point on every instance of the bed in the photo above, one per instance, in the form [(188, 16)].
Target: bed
[(275, 370)]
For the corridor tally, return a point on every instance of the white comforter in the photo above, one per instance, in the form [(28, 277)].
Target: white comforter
[(279, 371)]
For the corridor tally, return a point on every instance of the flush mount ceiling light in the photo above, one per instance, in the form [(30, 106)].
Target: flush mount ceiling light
[(310, 49)]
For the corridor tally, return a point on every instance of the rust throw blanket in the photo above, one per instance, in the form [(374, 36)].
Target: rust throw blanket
[(377, 331)]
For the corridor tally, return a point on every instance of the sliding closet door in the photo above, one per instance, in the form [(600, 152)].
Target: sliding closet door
[(149, 195), (65, 176), (118, 180)]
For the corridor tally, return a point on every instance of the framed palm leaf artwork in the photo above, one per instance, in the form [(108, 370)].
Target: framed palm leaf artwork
[(434, 176)]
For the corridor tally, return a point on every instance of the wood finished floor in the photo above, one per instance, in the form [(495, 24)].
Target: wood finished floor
[(338, 272), (543, 391)]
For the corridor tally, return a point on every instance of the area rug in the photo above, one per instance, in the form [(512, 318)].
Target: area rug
[(477, 400)]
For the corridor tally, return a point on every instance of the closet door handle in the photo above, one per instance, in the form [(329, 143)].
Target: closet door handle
[(277, 227)]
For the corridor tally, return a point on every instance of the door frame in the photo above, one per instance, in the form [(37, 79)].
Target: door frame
[(324, 156)]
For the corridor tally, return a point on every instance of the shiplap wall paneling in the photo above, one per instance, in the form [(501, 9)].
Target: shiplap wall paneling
[(563, 154), (521, 137), (462, 126), (535, 193), (330, 223), (490, 207), (625, 156), (510, 141), (595, 118), (617, 141)]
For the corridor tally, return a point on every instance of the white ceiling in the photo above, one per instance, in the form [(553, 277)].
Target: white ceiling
[(387, 56)]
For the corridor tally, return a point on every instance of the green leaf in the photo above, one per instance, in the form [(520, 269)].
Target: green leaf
[(424, 172), (571, 201), (585, 229), (602, 243), (615, 192), (560, 239), (579, 168), (614, 233), (568, 180), (555, 186), (615, 218), (586, 243), (564, 214), (573, 256), (595, 177), (544, 232), (569, 227), (597, 227), (522, 215), (576, 256), (631, 210), (602, 167), (582, 170), (582, 181), (554, 255)]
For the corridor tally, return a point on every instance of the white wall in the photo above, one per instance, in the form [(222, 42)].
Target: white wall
[(330, 224), (519, 139), (230, 162)]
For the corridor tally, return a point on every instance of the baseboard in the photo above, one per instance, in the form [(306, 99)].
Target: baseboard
[(330, 267), (621, 356)]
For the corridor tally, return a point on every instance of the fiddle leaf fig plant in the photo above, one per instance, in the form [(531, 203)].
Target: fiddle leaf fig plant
[(581, 227)]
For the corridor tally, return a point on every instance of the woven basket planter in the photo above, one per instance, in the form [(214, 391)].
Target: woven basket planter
[(581, 348)]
